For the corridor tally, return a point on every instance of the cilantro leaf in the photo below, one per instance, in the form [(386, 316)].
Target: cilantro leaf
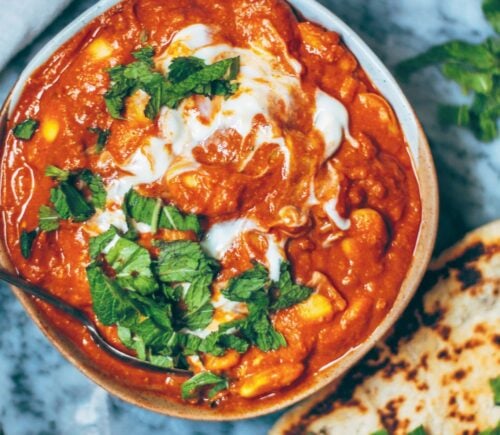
[(191, 387), (289, 293), (57, 173), (48, 219), (183, 261), (132, 266), (102, 137), (96, 186), (97, 244), (495, 387), (26, 241), (26, 129)]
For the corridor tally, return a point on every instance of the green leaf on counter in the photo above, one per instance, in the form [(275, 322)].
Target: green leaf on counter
[(495, 387)]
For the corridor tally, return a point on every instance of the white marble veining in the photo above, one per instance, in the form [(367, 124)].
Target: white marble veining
[(41, 393)]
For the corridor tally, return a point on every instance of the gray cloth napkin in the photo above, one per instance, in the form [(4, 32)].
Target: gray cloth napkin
[(22, 20)]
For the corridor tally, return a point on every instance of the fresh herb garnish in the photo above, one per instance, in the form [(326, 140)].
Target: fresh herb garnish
[(492, 431), (191, 387), (48, 219), (186, 77), (26, 240), (380, 432), (96, 187), (26, 129), (495, 387), (102, 137), (152, 212), (288, 293), (418, 431), (69, 202), (476, 68), (184, 261), (57, 173)]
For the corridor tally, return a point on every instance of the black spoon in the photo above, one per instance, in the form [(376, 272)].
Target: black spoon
[(82, 317)]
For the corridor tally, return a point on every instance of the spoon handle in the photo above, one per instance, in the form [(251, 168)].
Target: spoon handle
[(82, 317)]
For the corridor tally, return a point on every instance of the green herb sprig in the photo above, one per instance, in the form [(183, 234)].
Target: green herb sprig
[(476, 69)]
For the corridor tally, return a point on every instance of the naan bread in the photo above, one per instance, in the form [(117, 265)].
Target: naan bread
[(434, 369)]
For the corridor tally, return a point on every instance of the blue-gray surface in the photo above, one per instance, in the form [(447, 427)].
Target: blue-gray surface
[(41, 393)]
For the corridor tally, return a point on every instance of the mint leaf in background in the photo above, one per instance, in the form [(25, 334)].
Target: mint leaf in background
[(26, 129), (289, 293), (48, 219), (191, 388), (184, 261), (475, 68), (57, 173), (491, 10), (26, 241), (97, 244), (495, 387), (132, 266), (96, 186), (102, 137)]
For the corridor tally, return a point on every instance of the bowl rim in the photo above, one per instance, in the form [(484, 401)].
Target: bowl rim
[(427, 182)]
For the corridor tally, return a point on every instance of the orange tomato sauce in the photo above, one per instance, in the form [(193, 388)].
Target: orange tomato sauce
[(358, 271)]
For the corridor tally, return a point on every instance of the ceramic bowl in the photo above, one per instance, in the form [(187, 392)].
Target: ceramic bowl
[(424, 167)]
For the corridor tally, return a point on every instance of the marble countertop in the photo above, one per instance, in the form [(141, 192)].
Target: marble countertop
[(42, 393)]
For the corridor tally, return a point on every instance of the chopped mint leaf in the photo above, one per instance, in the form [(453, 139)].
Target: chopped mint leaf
[(145, 54), (141, 208), (102, 137), (418, 431), (495, 387), (26, 129), (26, 241), (289, 293), (110, 302), (57, 173), (491, 10), (171, 218), (184, 261), (78, 208), (61, 206), (96, 186), (97, 244), (182, 67), (191, 387), (48, 219), (250, 286), (260, 331), (132, 266)]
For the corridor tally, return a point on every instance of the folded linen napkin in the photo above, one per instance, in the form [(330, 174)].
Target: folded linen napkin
[(22, 20)]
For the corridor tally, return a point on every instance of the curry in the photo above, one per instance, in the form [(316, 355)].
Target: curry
[(220, 186)]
